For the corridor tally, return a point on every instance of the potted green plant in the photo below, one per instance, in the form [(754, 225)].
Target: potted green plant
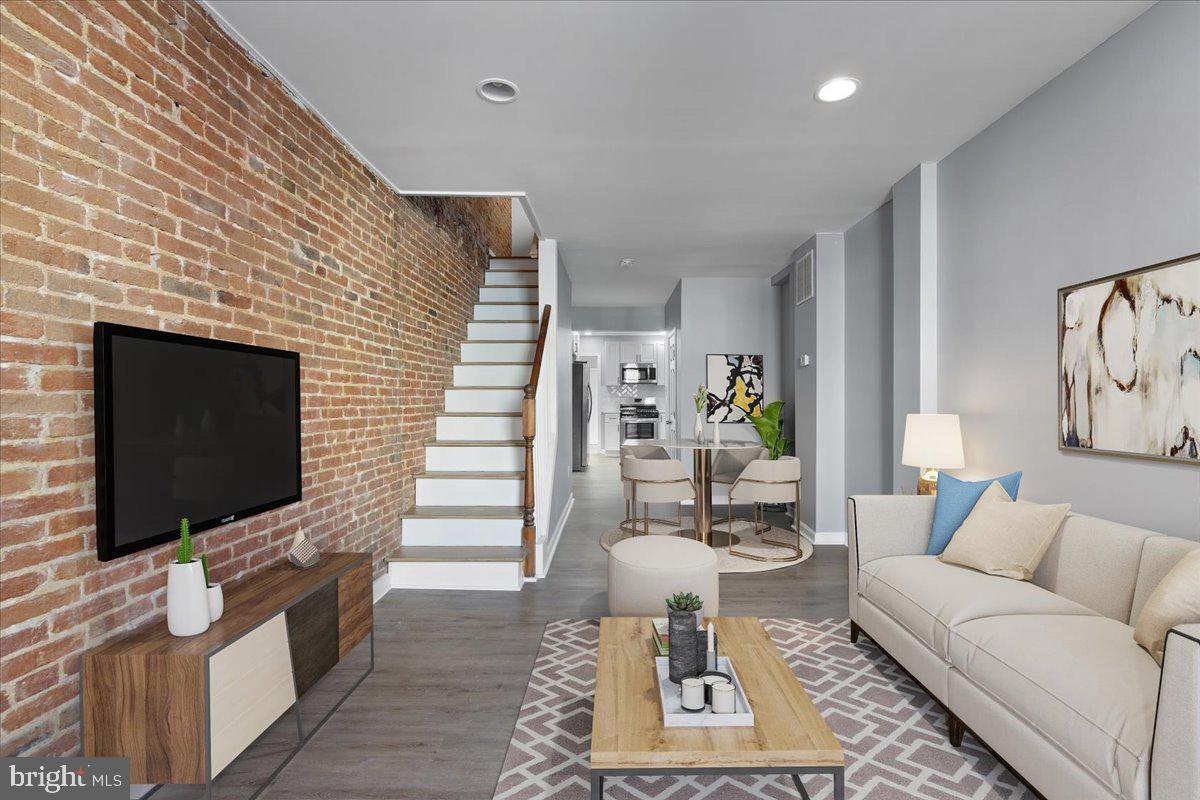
[(187, 598), (701, 401), (770, 430), (683, 619), (216, 598)]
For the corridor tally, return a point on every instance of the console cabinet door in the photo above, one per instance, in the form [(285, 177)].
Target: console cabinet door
[(250, 686)]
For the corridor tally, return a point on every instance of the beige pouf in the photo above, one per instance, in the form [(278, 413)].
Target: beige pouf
[(643, 571)]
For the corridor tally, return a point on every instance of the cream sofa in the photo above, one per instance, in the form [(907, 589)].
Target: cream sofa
[(1045, 673)]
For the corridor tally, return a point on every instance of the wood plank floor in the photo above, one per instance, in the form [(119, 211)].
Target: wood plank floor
[(434, 720)]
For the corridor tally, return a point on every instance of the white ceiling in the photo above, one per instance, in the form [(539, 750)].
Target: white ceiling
[(683, 135)]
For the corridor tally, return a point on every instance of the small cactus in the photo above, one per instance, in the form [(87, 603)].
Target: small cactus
[(183, 554), (204, 566), (684, 601)]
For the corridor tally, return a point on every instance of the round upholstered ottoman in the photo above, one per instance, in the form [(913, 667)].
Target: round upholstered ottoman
[(643, 571)]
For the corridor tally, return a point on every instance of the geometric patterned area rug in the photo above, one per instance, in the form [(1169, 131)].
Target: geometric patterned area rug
[(894, 734)]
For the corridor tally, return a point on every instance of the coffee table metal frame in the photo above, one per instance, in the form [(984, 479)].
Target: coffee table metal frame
[(837, 773)]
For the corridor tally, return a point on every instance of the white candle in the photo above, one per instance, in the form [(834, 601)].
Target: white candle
[(693, 694), (722, 697), (712, 645)]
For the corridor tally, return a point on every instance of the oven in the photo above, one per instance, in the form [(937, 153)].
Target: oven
[(639, 373), (639, 429)]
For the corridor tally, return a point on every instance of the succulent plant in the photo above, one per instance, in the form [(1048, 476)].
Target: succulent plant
[(684, 601), (204, 566), (183, 553)]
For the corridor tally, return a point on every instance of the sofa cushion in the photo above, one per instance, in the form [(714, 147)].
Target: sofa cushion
[(953, 503), (1159, 555), (1003, 537), (1033, 665), (929, 597)]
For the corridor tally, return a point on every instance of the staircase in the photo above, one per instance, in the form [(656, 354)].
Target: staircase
[(465, 530)]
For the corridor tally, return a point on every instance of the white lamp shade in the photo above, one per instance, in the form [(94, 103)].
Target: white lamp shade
[(932, 440)]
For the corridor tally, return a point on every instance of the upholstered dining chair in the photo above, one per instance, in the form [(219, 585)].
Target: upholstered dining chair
[(654, 480), (727, 466), (766, 481), (650, 451)]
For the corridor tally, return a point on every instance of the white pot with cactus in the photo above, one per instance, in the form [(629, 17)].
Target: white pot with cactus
[(216, 598), (187, 595)]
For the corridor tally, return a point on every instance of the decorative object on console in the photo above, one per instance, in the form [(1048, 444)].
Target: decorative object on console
[(1175, 601), (701, 401), (735, 387), (954, 503), (770, 430), (187, 597), (681, 616), (1003, 537), (303, 554), (932, 442), (216, 600), (1129, 364)]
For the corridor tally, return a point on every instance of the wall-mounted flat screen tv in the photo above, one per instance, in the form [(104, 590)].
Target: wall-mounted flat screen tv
[(189, 427)]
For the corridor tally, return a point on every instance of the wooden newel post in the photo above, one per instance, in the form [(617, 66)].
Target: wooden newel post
[(528, 529)]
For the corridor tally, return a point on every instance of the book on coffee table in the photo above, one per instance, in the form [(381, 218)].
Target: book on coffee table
[(661, 637)]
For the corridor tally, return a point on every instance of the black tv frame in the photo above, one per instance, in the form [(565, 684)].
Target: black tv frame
[(102, 333)]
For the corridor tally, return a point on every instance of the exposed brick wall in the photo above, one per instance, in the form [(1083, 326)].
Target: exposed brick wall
[(496, 216), (154, 175)]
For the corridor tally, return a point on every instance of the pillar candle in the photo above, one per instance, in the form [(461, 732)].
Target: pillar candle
[(722, 697), (693, 694)]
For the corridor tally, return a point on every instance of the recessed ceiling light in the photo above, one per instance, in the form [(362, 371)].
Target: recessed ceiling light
[(626, 263), (836, 89), (497, 90)]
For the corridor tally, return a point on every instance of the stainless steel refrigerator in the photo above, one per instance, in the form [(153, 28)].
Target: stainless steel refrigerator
[(581, 414)]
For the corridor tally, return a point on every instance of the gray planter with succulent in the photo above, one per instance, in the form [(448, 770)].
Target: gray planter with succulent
[(682, 648)]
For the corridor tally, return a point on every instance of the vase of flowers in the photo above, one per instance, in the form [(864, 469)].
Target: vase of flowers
[(701, 401), (187, 596), (682, 611)]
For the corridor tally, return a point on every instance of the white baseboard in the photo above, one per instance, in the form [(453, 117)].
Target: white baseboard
[(380, 586), (489, 576), (547, 548), (822, 537)]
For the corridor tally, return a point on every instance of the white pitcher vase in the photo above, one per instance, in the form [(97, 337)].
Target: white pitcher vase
[(187, 599), (698, 431), (216, 602)]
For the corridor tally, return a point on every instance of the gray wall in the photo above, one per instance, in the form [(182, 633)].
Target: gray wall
[(618, 318), (673, 310), (804, 390), (1095, 173), (725, 315), (869, 354), (563, 359)]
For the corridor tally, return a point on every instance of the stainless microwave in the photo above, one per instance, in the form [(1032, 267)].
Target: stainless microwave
[(639, 373)]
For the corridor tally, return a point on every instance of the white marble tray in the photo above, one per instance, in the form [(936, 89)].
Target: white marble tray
[(674, 716)]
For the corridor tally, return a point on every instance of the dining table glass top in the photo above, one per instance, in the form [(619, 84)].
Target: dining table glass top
[(708, 444)]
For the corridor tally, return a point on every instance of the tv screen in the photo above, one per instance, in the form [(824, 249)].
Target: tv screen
[(189, 427)]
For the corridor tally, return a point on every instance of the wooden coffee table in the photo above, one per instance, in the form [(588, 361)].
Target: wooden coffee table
[(789, 736)]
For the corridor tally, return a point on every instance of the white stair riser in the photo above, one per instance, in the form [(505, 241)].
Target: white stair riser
[(493, 278), (474, 459), (478, 429), (513, 263), (483, 400), (461, 533), (483, 331), (476, 491), (491, 374), (522, 313), (507, 294), (502, 576), (497, 351)]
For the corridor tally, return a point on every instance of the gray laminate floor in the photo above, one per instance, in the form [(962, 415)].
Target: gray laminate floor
[(434, 719)]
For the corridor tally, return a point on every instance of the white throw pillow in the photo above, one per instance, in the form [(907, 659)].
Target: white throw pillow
[(1006, 538), (1175, 601)]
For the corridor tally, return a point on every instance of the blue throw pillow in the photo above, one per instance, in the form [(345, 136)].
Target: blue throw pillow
[(955, 499)]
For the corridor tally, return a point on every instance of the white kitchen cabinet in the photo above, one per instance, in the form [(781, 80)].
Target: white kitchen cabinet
[(611, 433), (610, 367), (629, 352)]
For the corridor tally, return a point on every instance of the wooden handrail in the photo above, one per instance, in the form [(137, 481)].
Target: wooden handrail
[(529, 431)]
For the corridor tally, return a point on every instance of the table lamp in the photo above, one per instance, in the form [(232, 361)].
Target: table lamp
[(932, 442)]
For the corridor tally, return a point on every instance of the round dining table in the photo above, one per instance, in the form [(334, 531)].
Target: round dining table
[(702, 465)]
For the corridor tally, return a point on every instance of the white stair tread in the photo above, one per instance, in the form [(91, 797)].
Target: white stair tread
[(475, 443), (508, 476), (479, 414), (464, 512), (451, 553)]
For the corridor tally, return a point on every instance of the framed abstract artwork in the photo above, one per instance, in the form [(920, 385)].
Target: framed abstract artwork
[(1129, 363), (735, 387)]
